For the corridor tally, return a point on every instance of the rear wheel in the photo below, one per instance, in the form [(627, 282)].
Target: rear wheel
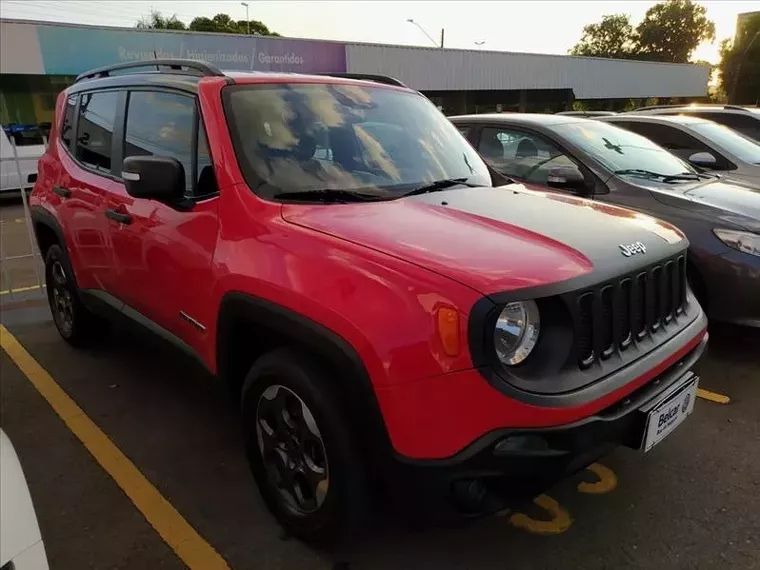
[(76, 324), (300, 449)]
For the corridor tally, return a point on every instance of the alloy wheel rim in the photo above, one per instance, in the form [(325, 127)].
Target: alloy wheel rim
[(63, 303), (293, 450)]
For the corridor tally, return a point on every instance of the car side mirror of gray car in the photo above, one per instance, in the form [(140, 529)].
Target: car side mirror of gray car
[(704, 159), (567, 178)]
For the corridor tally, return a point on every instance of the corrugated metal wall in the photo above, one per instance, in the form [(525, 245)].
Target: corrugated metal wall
[(430, 69)]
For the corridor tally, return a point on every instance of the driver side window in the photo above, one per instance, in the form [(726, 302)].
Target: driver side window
[(520, 154)]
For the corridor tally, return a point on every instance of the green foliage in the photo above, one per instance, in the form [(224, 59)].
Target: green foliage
[(670, 31), (159, 22), (612, 37), (740, 65), (221, 23)]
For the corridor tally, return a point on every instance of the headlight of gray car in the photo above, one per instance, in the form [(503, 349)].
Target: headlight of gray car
[(743, 241), (516, 332)]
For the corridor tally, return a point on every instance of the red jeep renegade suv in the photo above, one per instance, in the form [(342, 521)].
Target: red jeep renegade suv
[(336, 252)]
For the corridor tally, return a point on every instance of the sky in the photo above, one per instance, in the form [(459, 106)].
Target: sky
[(536, 27)]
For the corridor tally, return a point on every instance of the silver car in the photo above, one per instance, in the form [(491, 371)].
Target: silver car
[(705, 144)]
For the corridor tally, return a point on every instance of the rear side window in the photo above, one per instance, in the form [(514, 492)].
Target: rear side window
[(97, 114), (164, 124), (68, 120), (744, 123)]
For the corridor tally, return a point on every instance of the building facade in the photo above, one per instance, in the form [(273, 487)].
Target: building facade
[(38, 59)]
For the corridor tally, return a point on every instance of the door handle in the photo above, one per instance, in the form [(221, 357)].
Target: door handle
[(63, 192), (118, 216)]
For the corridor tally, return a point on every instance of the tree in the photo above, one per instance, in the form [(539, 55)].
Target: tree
[(740, 64), (221, 23), (614, 37), (158, 22), (672, 30)]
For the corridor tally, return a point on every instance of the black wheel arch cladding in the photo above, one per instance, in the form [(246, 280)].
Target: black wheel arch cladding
[(239, 310)]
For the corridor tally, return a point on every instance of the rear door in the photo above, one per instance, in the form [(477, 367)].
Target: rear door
[(83, 180), (164, 251)]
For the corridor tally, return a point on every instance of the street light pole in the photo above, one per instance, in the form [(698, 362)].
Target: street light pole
[(247, 20), (431, 38)]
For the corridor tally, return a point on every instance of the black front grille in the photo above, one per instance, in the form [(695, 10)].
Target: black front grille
[(616, 315)]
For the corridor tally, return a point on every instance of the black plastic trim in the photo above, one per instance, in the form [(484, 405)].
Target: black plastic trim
[(42, 217), (108, 306), (355, 384), (202, 68)]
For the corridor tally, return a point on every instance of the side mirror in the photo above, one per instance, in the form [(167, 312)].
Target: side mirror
[(567, 178), (704, 159), (154, 178)]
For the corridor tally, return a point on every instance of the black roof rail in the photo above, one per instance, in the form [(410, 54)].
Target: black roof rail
[(658, 107), (203, 68), (687, 105), (367, 77)]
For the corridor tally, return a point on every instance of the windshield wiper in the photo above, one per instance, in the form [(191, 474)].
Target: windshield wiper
[(330, 195), (665, 177), (440, 185)]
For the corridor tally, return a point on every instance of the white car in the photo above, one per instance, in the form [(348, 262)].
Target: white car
[(28, 156), (21, 546)]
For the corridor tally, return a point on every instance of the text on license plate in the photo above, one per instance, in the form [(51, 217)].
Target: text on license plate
[(669, 414)]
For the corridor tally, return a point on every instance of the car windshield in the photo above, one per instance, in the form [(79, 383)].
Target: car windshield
[(620, 150), (299, 139), (728, 139)]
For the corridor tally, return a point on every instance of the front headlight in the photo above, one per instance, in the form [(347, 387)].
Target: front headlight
[(743, 241), (516, 331)]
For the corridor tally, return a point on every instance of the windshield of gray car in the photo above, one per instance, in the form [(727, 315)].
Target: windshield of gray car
[(620, 150), (292, 140), (741, 147)]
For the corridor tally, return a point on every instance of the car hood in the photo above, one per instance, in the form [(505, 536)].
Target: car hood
[(733, 202), (497, 239)]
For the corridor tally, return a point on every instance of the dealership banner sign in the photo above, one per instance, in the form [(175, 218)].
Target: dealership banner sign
[(70, 50)]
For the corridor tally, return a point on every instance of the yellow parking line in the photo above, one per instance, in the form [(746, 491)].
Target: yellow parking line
[(20, 290), (194, 551), (713, 396)]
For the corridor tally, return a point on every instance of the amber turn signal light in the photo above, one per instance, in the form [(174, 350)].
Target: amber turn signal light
[(448, 330)]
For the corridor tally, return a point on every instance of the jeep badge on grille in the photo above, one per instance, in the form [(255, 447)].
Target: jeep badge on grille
[(632, 249)]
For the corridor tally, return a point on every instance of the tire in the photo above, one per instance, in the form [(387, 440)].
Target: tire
[(338, 506), (76, 324)]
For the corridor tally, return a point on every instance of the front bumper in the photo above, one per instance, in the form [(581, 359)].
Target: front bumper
[(733, 287), (507, 466)]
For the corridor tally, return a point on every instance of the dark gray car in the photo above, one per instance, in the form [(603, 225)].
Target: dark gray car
[(703, 143), (600, 161)]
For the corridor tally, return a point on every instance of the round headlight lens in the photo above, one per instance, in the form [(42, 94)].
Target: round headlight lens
[(516, 331)]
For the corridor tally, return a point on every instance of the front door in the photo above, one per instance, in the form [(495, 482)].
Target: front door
[(163, 251)]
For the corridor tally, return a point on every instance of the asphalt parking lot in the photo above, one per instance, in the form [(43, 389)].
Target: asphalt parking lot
[(692, 502)]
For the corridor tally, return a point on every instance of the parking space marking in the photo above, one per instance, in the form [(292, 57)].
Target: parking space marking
[(607, 480), (190, 546), (20, 290), (558, 524), (712, 396)]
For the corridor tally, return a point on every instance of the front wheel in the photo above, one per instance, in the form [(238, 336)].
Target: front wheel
[(300, 449)]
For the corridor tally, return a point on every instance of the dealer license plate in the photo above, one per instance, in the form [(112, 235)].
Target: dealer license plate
[(669, 414)]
